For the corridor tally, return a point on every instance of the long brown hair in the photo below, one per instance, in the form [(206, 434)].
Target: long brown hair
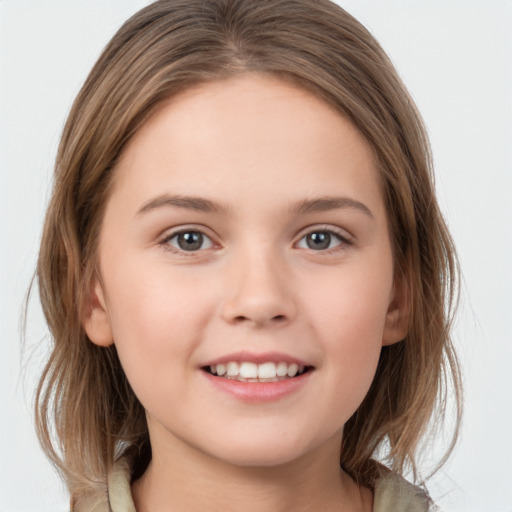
[(86, 413)]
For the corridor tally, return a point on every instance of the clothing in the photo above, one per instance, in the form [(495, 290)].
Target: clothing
[(392, 494)]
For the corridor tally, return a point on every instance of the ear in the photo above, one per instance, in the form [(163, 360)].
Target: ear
[(97, 320), (399, 312)]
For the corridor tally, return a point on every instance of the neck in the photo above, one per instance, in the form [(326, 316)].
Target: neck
[(182, 479)]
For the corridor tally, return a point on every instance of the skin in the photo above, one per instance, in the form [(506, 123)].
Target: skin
[(256, 147)]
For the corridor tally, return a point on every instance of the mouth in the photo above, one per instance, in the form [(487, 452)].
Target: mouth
[(246, 371)]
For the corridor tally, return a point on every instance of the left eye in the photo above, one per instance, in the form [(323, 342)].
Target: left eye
[(320, 240), (189, 241)]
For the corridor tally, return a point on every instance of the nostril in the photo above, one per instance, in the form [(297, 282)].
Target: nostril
[(242, 318)]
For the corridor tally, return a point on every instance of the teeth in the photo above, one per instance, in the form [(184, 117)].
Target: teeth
[(254, 372), (267, 371), (233, 369), (248, 371), (292, 370), (282, 369)]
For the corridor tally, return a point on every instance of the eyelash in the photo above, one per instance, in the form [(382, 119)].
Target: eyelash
[(165, 243), (343, 240)]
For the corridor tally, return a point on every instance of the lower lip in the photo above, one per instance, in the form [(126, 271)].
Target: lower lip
[(259, 391)]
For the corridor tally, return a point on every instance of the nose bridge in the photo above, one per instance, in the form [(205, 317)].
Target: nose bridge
[(258, 291)]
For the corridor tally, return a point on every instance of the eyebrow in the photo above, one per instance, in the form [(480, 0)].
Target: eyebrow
[(324, 204), (201, 204), (198, 204)]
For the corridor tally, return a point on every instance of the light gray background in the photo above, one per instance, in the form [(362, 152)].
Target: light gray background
[(454, 55)]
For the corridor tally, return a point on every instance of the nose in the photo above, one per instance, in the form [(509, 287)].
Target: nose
[(259, 291)]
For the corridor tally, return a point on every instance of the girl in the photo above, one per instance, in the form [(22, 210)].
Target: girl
[(244, 269)]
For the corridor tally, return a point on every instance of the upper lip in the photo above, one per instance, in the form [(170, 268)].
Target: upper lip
[(257, 358)]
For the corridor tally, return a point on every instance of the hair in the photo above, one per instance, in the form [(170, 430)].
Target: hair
[(87, 416)]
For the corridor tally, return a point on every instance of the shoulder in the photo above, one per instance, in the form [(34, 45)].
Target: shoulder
[(395, 494)]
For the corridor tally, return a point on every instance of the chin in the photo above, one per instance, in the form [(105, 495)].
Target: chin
[(263, 451)]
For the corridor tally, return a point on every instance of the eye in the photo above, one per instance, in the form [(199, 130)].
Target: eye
[(189, 241), (321, 240)]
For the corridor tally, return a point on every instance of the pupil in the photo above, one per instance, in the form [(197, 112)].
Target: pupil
[(319, 240), (190, 241)]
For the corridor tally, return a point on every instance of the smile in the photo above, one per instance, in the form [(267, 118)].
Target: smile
[(251, 372)]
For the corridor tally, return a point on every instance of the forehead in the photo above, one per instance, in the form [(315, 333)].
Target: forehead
[(253, 130)]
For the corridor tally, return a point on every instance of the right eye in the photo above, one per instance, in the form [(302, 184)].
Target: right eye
[(320, 240), (188, 241)]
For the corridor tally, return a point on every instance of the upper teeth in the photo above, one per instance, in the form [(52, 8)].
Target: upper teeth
[(247, 370)]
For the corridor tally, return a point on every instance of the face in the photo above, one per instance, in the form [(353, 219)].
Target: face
[(246, 272)]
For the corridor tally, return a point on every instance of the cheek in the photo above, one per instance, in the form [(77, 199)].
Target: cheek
[(349, 315), (352, 301), (156, 319), (150, 297)]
